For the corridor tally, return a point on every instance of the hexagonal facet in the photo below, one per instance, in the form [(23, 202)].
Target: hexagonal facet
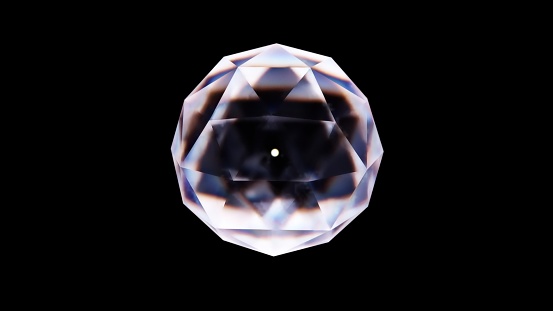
[(276, 149)]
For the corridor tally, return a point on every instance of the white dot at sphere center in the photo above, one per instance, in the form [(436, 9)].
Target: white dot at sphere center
[(274, 153)]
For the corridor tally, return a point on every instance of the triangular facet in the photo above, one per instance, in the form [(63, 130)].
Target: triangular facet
[(309, 58), (274, 56), (350, 112), (239, 213), (374, 145), (278, 211), (272, 85), (333, 193), (305, 101), (206, 100), (305, 213), (306, 89), (335, 95), (239, 100), (233, 173), (235, 200), (329, 68), (323, 238), (352, 116), (339, 159), (225, 236), (210, 192), (177, 146), (346, 153), (256, 196), (188, 193), (329, 127), (332, 71), (242, 57), (205, 156), (189, 197), (360, 198), (253, 75), (273, 242), (221, 129)]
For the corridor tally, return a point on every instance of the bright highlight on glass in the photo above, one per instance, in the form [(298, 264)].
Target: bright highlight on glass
[(274, 153)]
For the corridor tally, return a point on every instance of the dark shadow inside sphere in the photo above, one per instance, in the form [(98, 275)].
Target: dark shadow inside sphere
[(287, 149)]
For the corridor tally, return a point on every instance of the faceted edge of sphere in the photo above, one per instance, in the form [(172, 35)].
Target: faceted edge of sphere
[(323, 71)]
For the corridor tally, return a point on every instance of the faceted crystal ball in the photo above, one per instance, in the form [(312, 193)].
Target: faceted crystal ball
[(276, 149)]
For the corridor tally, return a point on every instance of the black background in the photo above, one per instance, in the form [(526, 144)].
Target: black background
[(116, 225), (145, 230)]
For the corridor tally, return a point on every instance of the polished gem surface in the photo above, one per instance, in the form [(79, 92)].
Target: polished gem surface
[(276, 149)]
